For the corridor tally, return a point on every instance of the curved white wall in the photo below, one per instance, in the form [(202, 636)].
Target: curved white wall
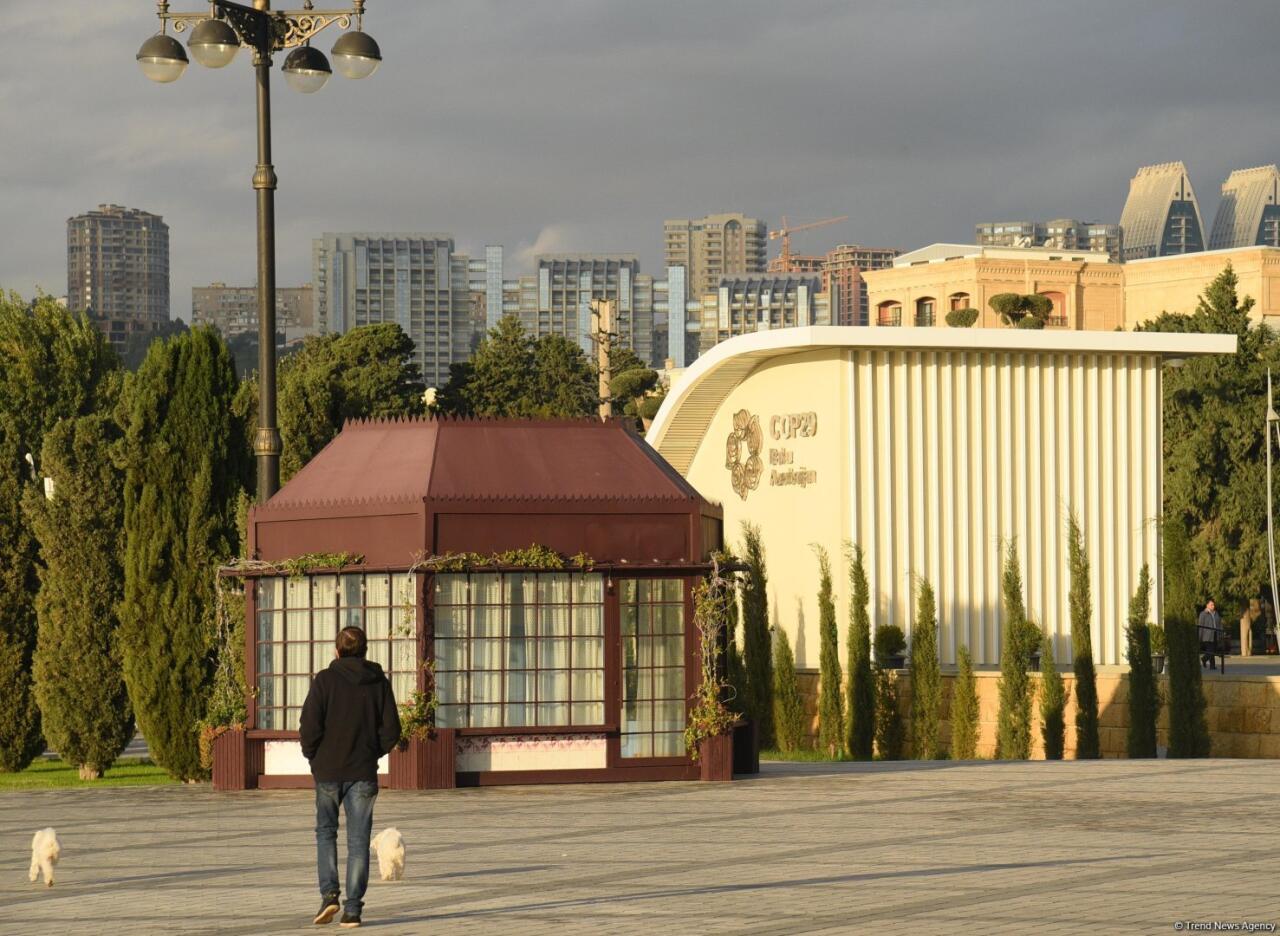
[(931, 458)]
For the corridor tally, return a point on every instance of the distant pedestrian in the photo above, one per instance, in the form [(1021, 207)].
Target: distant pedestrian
[(349, 722), (1210, 628)]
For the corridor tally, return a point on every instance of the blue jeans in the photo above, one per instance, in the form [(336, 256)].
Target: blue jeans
[(357, 799)]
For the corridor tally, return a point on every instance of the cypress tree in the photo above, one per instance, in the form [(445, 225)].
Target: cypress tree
[(788, 706), (964, 710), (1188, 726), (53, 366), (926, 677), (1088, 744), (861, 701), (78, 679), (1053, 726), (830, 704), (1013, 732), (757, 654), (1144, 694), (185, 467), (891, 734)]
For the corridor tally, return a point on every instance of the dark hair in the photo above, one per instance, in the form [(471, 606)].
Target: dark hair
[(352, 642)]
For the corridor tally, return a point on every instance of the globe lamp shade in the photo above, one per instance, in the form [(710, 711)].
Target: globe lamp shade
[(307, 70), (356, 55), (163, 59), (214, 44)]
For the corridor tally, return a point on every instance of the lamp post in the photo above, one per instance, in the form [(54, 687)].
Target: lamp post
[(216, 37)]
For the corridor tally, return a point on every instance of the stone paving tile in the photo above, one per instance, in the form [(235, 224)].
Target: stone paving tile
[(1076, 847)]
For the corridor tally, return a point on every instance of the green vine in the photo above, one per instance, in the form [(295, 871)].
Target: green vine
[(418, 715), (296, 567), (710, 717), (228, 700), (531, 557)]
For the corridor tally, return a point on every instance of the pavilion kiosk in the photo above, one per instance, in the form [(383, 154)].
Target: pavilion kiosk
[(543, 674)]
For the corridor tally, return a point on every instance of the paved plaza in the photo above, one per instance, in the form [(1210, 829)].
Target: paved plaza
[(1095, 847)]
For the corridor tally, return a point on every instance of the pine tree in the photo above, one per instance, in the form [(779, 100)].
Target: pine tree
[(757, 654), (78, 679), (185, 467), (565, 385), (1088, 744), (1144, 694), (964, 710), (830, 705), (926, 677), (788, 706), (1013, 734), (1188, 725), (860, 704), (53, 366), (1053, 726)]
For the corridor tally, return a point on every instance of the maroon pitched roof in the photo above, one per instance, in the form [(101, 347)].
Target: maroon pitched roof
[(373, 461)]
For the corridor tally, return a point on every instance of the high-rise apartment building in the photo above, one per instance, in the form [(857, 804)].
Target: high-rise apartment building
[(1161, 215), (233, 310), (743, 305), (842, 271), (556, 299), (118, 270), (415, 280), (716, 246), (1060, 234), (1249, 213)]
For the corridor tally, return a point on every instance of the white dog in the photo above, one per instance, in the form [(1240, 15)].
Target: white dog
[(390, 848), (45, 852)]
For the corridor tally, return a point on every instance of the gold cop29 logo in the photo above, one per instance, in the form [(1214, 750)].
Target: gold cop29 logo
[(742, 453)]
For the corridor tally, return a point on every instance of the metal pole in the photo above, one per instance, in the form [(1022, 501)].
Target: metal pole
[(266, 445)]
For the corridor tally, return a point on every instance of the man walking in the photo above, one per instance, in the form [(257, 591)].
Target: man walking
[(1209, 626), (348, 722)]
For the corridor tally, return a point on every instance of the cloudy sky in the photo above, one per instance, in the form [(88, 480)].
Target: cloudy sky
[(581, 124)]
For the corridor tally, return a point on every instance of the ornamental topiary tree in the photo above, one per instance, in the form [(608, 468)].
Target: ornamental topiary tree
[(1008, 306), (1144, 694), (1037, 306), (962, 318), (926, 677), (1030, 321), (830, 705), (964, 710), (1013, 731), (1053, 727), (788, 706), (79, 683), (757, 654), (1188, 725), (185, 467), (861, 701), (53, 366), (1079, 601)]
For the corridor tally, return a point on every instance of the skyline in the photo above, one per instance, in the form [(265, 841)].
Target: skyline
[(914, 158)]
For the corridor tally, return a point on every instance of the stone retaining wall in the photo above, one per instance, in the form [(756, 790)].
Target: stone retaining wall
[(1243, 713)]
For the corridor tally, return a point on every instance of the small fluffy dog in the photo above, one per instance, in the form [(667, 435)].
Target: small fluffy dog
[(45, 852), (390, 848)]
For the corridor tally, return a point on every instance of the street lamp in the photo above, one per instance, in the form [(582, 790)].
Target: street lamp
[(216, 37)]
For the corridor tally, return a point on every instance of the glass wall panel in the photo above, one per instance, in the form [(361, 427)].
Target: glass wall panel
[(653, 672), (513, 634)]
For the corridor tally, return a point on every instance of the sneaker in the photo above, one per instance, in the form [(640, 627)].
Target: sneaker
[(329, 908), (349, 920)]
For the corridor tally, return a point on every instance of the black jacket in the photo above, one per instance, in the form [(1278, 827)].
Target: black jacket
[(349, 721)]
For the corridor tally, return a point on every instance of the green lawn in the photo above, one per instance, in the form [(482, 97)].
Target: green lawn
[(52, 774), (805, 754)]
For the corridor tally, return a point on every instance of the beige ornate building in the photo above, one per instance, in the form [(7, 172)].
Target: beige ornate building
[(1087, 289), (1174, 284)]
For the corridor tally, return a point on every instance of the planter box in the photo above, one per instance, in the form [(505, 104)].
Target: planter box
[(746, 747), (237, 762), (1033, 663), (425, 765), (895, 662), (715, 758), (1157, 663)]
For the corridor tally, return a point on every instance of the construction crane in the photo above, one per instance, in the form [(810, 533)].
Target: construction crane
[(785, 232)]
